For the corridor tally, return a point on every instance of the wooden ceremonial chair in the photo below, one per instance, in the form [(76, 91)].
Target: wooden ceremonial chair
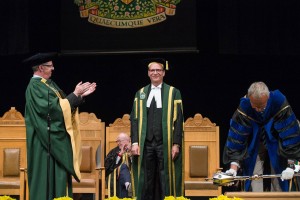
[(202, 157), (92, 133), (13, 161), (120, 125)]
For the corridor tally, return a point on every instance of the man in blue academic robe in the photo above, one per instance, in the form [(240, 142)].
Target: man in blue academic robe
[(264, 134)]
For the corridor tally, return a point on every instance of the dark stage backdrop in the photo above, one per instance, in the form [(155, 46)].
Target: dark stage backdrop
[(176, 32), (14, 27), (259, 27)]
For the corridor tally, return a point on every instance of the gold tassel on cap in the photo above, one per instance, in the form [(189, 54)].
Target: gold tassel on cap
[(167, 65)]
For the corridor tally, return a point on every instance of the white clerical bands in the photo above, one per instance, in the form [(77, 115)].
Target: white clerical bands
[(156, 93)]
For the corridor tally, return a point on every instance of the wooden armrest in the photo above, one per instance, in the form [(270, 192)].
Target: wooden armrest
[(102, 169)]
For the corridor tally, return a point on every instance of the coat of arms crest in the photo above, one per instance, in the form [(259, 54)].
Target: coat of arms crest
[(126, 13)]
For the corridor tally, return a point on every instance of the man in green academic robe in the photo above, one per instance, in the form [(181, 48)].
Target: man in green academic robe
[(53, 137), (157, 138)]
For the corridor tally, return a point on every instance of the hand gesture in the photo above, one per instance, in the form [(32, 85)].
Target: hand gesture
[(84, 89), (287, 174), (90, 90), (231, 171), (175, 151), (135, 150)]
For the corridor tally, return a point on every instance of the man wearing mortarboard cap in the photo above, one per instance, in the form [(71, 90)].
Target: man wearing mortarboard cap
[(157, 135), (50, 113)]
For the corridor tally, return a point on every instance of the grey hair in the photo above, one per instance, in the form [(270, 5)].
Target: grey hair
[(258, 89)]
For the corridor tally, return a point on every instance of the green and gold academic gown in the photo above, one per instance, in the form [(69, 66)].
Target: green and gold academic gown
[(172, 128), (43, 97)]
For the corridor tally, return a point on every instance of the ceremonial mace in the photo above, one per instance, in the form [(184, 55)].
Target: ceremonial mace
[(224, 179)]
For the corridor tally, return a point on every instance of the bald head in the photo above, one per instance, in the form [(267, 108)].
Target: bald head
[(123, 137), (123, 141)]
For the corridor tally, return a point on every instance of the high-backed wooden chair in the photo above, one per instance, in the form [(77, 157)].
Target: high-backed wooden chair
[(92, 131), (120, 125), (202, 157), (12, 154)]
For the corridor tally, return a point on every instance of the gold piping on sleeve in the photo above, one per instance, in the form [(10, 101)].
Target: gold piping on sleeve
[(140, 128), (244, 114), (115, 181), (285, 107), (108, 185), (135, 107), (175, 108), (170, 169)]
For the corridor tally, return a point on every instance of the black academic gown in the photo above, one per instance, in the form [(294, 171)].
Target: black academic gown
[(117, 173)]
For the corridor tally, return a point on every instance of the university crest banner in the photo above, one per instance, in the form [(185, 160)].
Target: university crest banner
[(128, 25)]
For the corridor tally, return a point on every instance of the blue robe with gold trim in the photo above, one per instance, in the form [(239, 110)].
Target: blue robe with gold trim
[(277, 125)]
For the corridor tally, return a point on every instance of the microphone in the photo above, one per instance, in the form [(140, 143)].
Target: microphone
[(49, 142), (48, 115)]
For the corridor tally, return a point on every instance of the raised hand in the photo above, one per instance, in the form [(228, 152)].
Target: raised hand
[(90, 90), (84, 89)]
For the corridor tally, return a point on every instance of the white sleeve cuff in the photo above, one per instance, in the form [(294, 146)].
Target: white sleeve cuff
[(236, 164)]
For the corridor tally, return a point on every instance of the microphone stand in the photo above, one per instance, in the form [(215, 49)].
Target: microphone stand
[(49, 147)]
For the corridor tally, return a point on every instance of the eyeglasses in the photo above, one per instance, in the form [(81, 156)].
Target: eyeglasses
[(157, 70), (48, 65)]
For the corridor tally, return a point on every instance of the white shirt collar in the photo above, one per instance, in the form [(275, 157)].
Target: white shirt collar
[(159, 86), (156, 94)]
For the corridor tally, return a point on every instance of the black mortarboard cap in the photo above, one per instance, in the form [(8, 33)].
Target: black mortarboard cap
[(162, 61), (39, 58)]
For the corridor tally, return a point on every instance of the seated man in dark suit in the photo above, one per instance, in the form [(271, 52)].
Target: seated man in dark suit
[(117, 167)]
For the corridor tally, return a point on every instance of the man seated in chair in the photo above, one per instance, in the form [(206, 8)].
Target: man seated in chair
[(117, 167)]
